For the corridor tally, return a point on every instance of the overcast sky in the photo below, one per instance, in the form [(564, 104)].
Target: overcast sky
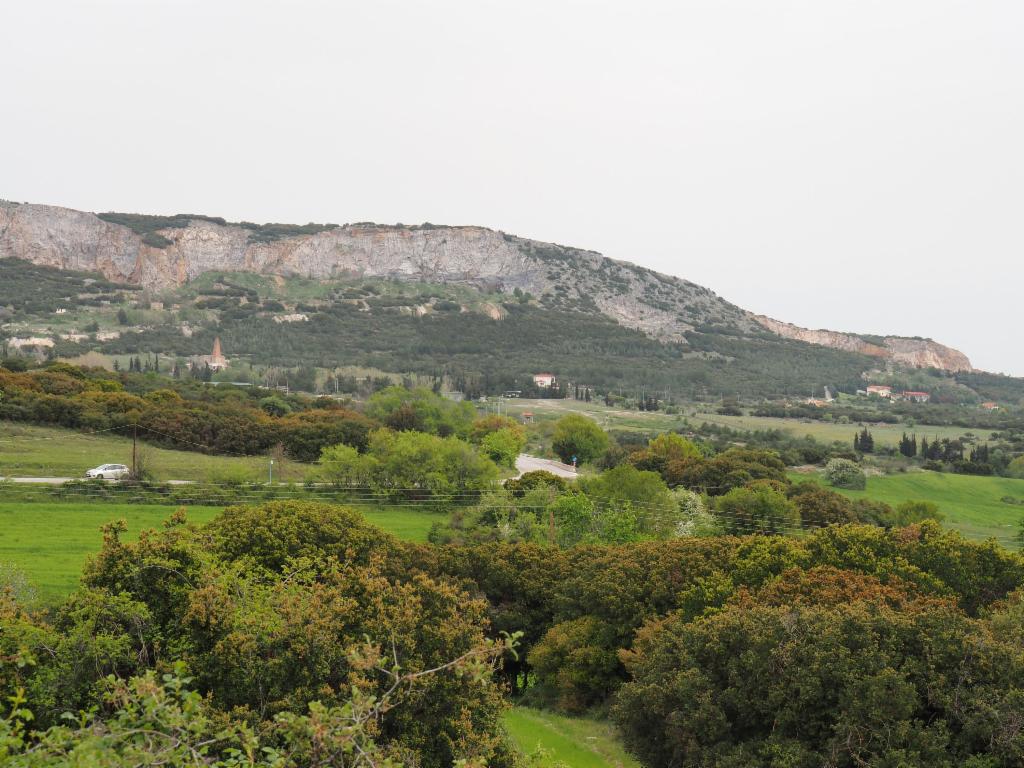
[(847, 165)]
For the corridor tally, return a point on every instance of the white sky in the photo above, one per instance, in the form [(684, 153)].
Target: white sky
[(853, 165)]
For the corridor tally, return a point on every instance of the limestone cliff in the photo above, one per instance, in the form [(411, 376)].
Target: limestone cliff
[(917, 353), (165, 252), (662, 306)]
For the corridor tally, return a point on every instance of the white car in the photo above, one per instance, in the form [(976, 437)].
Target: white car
[(109, 472)]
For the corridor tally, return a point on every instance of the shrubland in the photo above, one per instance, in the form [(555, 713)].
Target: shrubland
[(175, 414), (285, 618)]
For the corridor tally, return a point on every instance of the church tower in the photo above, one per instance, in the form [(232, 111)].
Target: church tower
[(217, 359)]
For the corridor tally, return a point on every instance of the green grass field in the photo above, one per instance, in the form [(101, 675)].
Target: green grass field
[(29, 451), (884, 434), (545, 411), (972, 505), (577, 742), (50, 542)]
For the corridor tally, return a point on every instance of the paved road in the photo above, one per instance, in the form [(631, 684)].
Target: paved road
[(40, 480), (526, 463), (62, 480)]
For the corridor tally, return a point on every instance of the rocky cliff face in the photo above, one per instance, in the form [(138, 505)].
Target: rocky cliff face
[(917, 353), (662, 306), (567, 278)]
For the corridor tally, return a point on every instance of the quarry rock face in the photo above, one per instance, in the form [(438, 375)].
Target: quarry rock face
[(661, 306), (917, 353)]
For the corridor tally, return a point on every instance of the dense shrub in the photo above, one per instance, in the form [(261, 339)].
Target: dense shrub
[(757, 509), (728, 470), (268, 603), (856, 683), (577, 437), (843, 473), (220, 421), (410, 465)]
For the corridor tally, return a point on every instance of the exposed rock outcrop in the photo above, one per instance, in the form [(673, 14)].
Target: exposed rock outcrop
[(662, 306), (917, 353), (568, 278)]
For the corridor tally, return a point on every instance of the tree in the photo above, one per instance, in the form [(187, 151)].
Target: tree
[(757, 509), (730, 469), (151, 722), (910, 512), (411, 465), (694, 517), (268, 605), (420, 410), (864, 442), (645, 492), (504, 446), (274, 405), (578, 437), (580, 521), (843, 473), (486, 425), (575, 664), (845, 685), (819, 506), (122, 317), (1016, 468), (344, 467)]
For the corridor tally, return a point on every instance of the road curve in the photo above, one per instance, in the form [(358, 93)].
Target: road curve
[(526, 463)]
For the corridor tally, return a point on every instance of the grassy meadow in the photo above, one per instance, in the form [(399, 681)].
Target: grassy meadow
[(577, 742), (31, 451), (50, 542), (972, 505), (884, 434), (546, 412)]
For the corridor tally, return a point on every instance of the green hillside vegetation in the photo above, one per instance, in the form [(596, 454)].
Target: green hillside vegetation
[(358, 323), (28, 290), (500, 354), (978, 507), (372, 323)]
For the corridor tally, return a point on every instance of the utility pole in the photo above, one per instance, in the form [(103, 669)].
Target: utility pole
[(135, 450), (271, 475)]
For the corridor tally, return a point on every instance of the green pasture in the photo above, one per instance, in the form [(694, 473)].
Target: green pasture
[(50, 541), (547, 411), (30, 451), (974, 506), (577, 742), (828, 432)]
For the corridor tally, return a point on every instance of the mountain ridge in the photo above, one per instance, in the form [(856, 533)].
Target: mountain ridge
[(162, 252)]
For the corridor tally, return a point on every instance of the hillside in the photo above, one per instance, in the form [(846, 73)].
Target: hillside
[(468, 302)]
